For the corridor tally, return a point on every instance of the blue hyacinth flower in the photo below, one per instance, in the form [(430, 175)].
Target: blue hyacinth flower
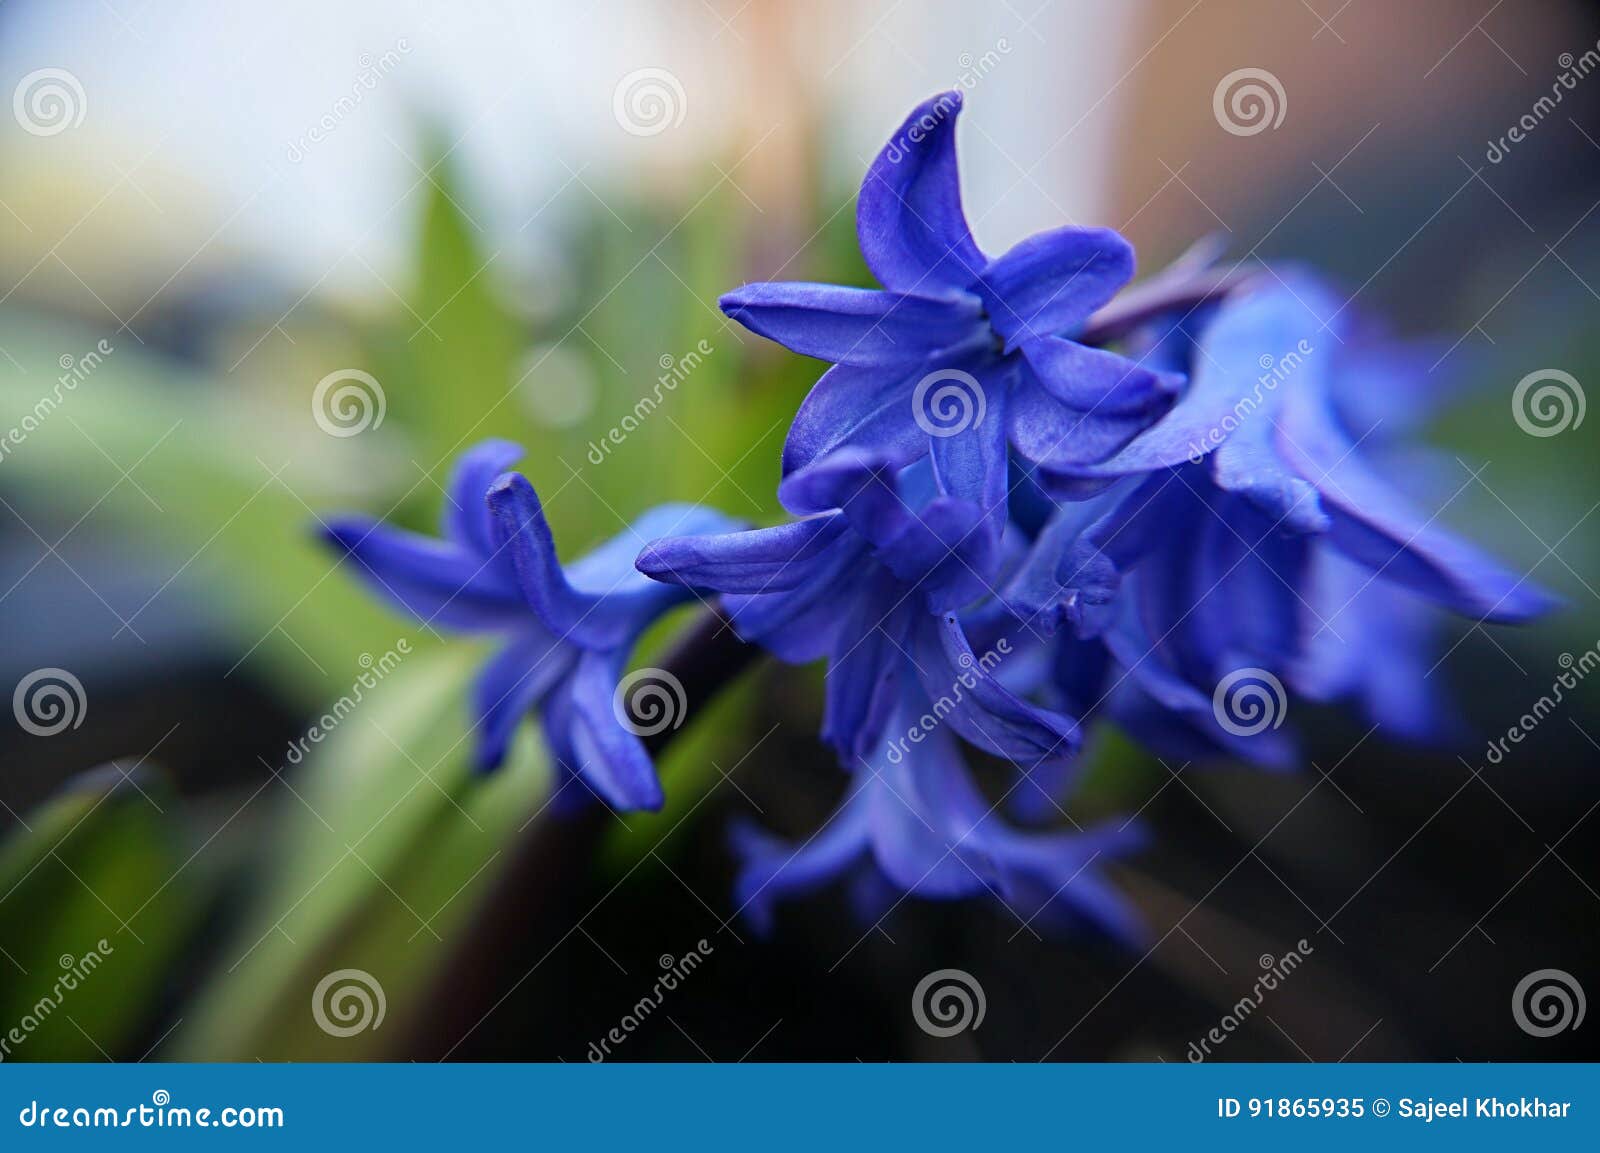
[(917, 824), (874, 587), (1284, 422), (567, 630), (957, 354)]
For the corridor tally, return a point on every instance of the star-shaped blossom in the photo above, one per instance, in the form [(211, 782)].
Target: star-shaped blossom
[(918, 824), (567, 631), (958, 354), (874, 587)]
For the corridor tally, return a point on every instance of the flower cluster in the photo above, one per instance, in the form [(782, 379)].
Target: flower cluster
[(1166, 509)]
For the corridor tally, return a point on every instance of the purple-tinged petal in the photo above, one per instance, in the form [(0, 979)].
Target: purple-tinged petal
[(863, 680), (466, 517), (592, 740), (971, 464), (1375, 525), (764, 560), (771, 869), (909, 222), (857, 326), (863, 486), (435, 581), (512, 682), (917, 818), (967, 694), (1055, 438), (1096, 381), (1050, 283), (856, 408)]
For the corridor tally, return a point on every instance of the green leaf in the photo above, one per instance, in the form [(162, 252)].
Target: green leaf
[(390, 838), (94, 907)]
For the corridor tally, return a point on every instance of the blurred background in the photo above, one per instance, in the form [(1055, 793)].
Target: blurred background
[(513, 217)]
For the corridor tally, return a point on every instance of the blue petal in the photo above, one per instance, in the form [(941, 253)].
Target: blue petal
[(510, 684), (1050, 283), (607, 601), (766, 560), (771, 869), (435, 581), (908, 220), (919, 820), (863, 683), (1227, 391), (1095, 381), (860, 408), (968, 695), (466, 516), (586, 734), (1056, 438), (856, 326), (971, 464), (1374, 525)]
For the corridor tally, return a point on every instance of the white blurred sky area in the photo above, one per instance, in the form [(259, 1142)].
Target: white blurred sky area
[(195, 147)]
